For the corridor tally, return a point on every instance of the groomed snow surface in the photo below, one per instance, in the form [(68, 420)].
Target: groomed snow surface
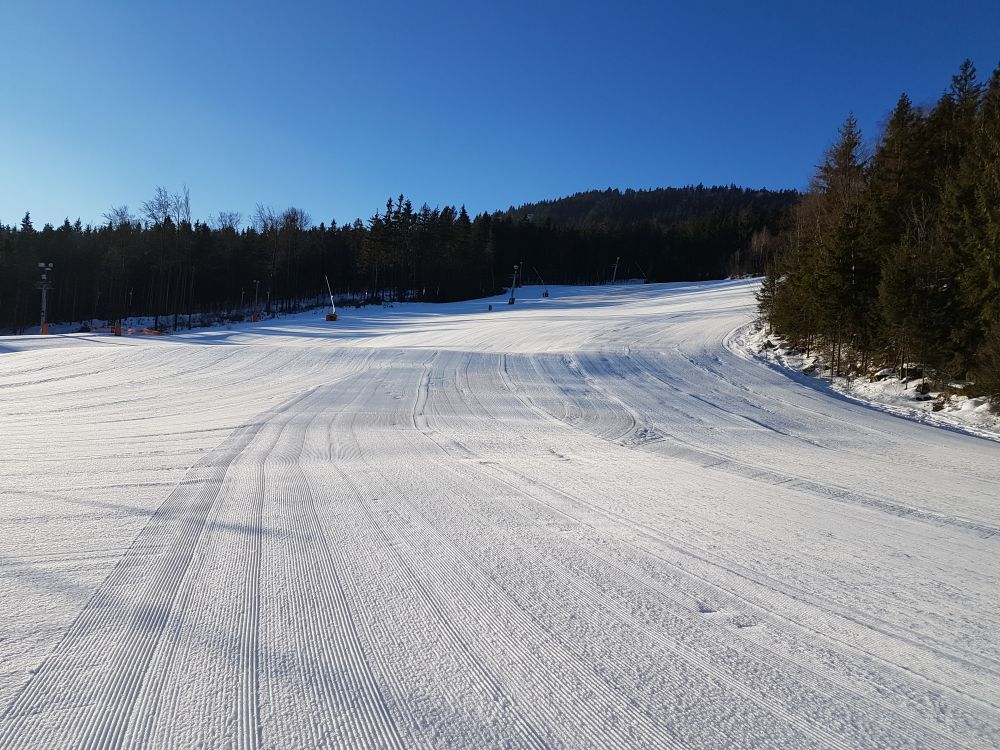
[(575, 522), (972, 414)]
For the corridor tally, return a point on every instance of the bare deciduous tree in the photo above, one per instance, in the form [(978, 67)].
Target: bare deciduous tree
[(119, 216), (157, 209), (181, 206), (295, 219), (228, 220), (264, 218)]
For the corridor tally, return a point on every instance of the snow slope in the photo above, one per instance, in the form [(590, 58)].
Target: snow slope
[(974, 415), (577, 522)]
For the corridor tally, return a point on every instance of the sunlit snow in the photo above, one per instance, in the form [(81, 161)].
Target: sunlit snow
[(574, 522)]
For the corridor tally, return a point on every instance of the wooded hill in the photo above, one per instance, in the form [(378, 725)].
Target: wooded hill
[(661, 206), (159, 261), (893, 256)]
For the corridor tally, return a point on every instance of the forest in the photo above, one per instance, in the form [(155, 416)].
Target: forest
[(158, 261), (892, 257)]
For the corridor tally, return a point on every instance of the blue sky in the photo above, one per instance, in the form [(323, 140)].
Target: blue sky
[(334, 106)]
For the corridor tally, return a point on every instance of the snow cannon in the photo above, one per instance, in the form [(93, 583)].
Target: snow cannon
[(545, 287), (332, 315)]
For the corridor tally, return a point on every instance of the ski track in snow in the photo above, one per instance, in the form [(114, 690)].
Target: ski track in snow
[(580, 522)]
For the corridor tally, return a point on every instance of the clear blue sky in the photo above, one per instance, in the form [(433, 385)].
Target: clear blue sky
[(333, 106)]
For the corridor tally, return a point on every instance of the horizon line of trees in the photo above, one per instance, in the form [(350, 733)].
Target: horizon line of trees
[(892, 258), (162, 263)]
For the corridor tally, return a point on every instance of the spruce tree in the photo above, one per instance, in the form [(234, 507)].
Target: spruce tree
[(846, 270)]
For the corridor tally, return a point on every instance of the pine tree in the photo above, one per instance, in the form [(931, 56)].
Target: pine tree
[(895, 176), (982, 280), (846, 269), (955, 231)]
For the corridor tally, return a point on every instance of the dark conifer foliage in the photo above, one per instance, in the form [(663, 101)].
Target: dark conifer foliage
[(161, 262), (666, 234), (893, 258)]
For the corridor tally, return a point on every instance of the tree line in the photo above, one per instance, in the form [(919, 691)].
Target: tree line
[(158, 261), (892, 258)]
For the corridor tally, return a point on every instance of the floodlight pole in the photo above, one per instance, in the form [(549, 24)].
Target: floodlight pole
[(256, 289), (513, 283), (45, 285)]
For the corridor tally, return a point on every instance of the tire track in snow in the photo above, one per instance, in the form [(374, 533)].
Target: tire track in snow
[(425, 583), (125, 618), (336, 689), (129, 614), (409, 575), (472, 591), (721, 461), (657, 436), (590, 595), (716, 460), (216, 670), (823, 683), (874, 647), (442, 548), (836, 692)]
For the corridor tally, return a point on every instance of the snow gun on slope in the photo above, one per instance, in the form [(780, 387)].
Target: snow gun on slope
[(545, 287), (332, 315)]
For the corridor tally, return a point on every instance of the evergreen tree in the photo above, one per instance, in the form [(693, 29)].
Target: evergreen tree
[(897, 262)]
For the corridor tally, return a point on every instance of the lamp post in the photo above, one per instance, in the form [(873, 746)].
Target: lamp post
[(513, 283), (256, 289), (45, 285)]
